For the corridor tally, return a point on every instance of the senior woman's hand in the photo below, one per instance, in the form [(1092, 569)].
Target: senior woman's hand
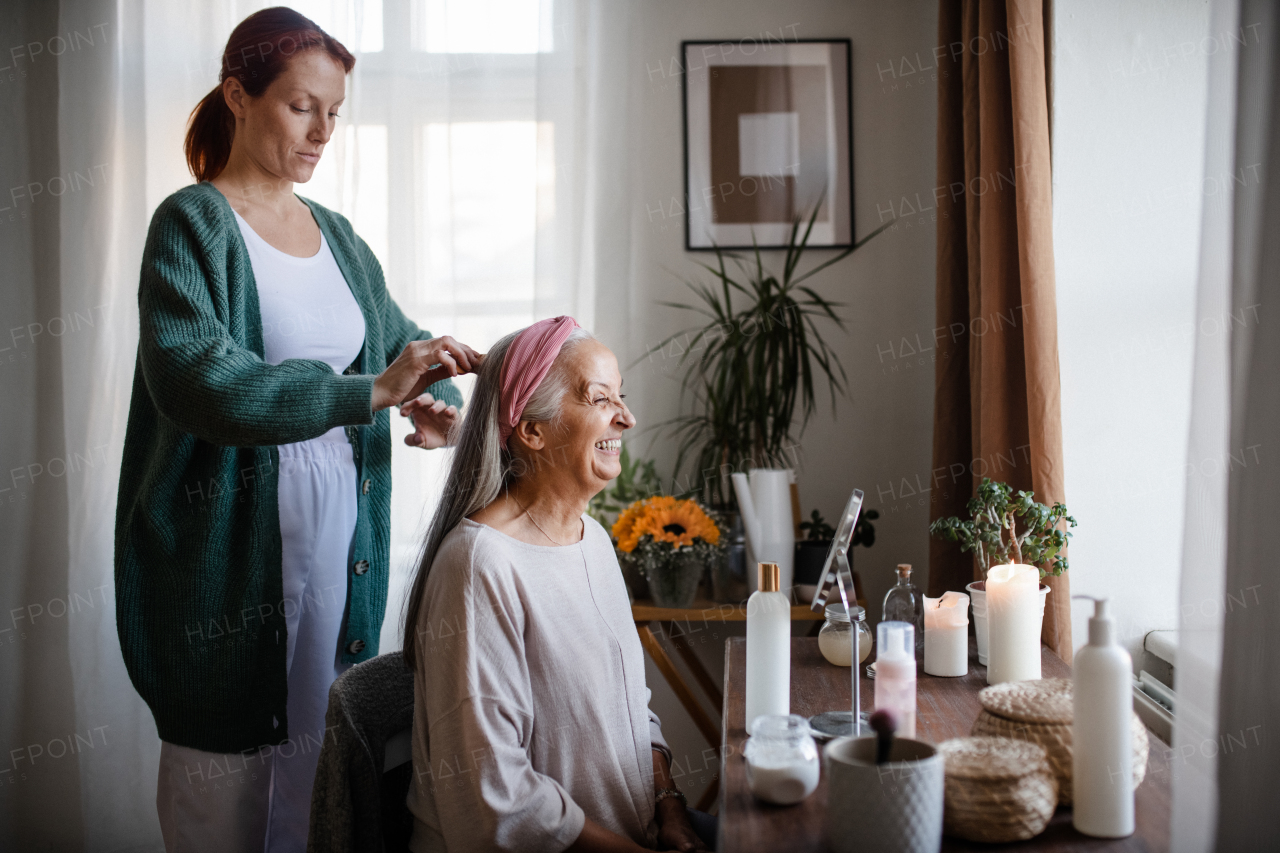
[(674, 830), (422, 363)]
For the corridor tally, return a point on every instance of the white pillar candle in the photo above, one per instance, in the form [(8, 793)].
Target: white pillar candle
[(1013, 624), (946, 635)]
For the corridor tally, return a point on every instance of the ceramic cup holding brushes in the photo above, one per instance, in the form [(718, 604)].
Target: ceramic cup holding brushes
[(884, 793)]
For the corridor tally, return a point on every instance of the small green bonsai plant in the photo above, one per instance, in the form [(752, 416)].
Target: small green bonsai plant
[(1008, 528)]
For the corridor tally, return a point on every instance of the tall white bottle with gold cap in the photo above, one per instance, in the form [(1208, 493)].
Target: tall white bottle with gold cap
[(768, 647)]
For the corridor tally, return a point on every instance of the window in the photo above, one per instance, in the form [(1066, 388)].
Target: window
[(352, 179), (355, 23), (480, 26), (445, 167), (480, 196)]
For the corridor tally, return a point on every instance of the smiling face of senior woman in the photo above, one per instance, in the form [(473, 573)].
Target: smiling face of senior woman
[(583, 445)]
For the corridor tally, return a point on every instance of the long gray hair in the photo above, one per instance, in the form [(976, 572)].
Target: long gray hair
[(482, 466)]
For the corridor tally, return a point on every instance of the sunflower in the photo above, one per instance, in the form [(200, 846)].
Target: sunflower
[(678, 523), (624, 527)]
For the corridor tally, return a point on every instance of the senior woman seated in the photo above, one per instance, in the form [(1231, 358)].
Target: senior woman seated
[(531, 727)]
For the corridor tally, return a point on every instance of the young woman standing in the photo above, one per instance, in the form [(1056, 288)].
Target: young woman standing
[(253, 518)]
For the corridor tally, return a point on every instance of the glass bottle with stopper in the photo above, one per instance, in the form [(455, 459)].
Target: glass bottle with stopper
[(905, 603)]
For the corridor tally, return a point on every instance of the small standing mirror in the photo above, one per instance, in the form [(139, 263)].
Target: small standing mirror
[(836, 584)]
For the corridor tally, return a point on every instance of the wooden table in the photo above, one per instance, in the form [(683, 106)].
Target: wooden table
[(946, 708), (680, 624)]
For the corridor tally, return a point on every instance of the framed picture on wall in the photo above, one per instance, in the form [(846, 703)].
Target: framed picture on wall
[(767, 138)]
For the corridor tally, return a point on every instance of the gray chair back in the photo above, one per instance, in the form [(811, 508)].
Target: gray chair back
[(358, 800)]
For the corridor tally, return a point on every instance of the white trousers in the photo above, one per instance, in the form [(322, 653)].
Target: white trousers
[(261, 800)]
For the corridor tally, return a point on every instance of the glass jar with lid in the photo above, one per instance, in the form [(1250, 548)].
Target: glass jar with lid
[(783, 766), (835, 640)]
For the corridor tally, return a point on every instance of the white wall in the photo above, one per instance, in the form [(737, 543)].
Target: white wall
[(884, 433), (1128, 149), (883, 436), (1129, 83)]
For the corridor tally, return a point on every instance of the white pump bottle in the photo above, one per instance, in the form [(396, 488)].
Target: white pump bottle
[(1102, 749), (768, 648)]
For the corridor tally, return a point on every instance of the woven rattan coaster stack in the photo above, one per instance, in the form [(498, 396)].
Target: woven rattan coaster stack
[(997, 789), (1039, 712)]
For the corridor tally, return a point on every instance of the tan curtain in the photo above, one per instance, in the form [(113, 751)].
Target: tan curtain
[(996, 394)]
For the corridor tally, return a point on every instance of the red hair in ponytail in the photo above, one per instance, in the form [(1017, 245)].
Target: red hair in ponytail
[(256, 53)]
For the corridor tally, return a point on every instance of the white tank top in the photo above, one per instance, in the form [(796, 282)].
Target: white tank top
[(307, 307)]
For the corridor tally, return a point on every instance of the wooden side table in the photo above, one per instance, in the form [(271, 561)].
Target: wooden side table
[(677, 623)]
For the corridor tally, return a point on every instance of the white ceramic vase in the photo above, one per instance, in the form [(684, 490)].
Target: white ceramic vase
[(978, 596), (764, 500)]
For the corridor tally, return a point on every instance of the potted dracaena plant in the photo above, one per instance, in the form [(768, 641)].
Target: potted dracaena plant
[(758, 361), (1007, 528)]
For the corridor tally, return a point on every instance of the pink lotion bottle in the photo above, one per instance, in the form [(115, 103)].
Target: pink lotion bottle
[(896, 673)]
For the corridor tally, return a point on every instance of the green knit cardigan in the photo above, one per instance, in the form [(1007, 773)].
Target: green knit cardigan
[(200, 608)]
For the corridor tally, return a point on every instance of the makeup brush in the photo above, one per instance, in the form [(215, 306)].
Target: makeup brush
[(884, 723)]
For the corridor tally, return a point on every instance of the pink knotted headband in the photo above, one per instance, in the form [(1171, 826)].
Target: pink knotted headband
[(526, 364)]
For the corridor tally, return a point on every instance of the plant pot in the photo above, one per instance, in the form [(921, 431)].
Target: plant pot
[(674, 582), (810, 555), (978, 596), (633, 574), (728, 574)]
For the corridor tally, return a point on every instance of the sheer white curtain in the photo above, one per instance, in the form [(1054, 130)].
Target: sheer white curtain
[(469, 156), (1224, 757), (1248, 767), (1194, 769)]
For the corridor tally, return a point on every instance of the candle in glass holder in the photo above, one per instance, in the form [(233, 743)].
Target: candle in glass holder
[(1013, 624), (946, 635)]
